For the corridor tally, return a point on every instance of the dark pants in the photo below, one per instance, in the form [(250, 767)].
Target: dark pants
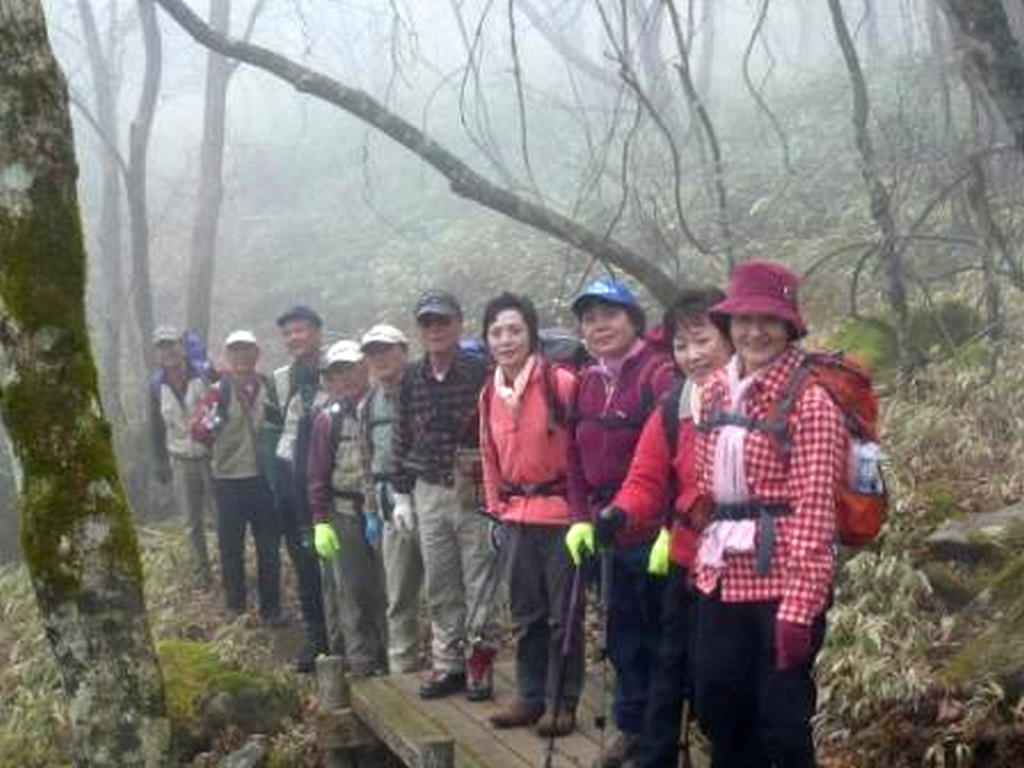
[(293, 515), (672, 678), (754, 715), (540, 588), (634, 622), (241, 502)]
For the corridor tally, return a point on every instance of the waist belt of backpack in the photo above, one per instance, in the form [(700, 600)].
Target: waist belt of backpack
[(555, 487), (381, 477), (764, 513), (358, 500)]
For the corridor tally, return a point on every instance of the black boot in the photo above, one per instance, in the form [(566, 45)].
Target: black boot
[(314, 644)]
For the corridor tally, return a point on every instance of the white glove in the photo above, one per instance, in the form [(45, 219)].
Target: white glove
[(402, 514)]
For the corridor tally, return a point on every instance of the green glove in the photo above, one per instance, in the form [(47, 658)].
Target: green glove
[(325, 540), (580, 541), (657, 562)]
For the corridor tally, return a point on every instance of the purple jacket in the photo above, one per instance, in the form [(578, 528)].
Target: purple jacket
[(609, 418)]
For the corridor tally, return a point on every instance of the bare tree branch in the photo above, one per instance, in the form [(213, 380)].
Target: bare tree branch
[(463, 180), (755, 91)]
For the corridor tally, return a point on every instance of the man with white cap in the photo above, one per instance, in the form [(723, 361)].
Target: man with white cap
[(240, 419), (175, 391), (386, 350), (346, 527)]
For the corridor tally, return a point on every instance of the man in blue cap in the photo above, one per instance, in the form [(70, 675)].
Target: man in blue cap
[(298, 385)]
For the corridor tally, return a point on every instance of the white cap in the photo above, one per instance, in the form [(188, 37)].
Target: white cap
[(166, 333), (240, 337), (383, 334), (344, 351)]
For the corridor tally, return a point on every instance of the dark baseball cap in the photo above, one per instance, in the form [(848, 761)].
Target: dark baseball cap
[(300, 312), (437, 303)]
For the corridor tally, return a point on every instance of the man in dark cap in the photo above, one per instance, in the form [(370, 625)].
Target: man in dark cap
[(298, 385), (435, 443)]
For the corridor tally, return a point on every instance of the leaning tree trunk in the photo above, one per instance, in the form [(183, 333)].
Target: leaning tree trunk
[(881, 203), (202, 261), (75, 525)]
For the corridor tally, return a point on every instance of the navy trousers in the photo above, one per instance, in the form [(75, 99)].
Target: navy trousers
[(634, 632)]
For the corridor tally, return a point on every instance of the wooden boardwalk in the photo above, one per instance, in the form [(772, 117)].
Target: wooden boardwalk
[(378, 701)]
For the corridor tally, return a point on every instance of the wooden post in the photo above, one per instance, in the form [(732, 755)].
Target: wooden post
[(436, 752), (333, 691), (331, 683)]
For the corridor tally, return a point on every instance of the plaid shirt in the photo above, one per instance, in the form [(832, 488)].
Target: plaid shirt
[(433, 419), (803, 557)]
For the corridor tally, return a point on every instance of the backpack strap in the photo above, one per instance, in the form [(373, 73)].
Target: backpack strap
[(671, 411), (224, 394)]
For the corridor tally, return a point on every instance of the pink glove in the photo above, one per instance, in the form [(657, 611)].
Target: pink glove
[(792, 644)]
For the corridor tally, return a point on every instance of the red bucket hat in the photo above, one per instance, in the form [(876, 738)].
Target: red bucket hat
[(759, 287)]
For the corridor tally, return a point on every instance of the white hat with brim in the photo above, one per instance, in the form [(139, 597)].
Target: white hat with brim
[(237, 338), (383, 334), (343, 352)]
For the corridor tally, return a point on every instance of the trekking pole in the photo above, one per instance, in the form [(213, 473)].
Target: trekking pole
[(567, 638), (684, 737), (601, 719)]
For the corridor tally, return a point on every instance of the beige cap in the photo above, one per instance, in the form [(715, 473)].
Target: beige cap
[(166, 333), (384, 334), (344, 351), (240, 337)]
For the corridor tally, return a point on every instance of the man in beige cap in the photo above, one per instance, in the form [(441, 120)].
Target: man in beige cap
[(386, 350), (174, 394), (240, 419), (346, 528)]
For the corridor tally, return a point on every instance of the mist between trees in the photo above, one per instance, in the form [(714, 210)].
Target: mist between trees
[(349, 155)]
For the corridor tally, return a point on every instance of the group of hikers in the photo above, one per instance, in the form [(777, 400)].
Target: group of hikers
[(691, 471)]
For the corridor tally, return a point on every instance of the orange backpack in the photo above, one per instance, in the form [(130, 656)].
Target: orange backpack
[(862, 500)]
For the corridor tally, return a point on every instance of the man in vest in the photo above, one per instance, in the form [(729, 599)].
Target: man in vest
[(347, 529), (297, 386), (436, 441), (180, 460), (240, 419), (386, 350)]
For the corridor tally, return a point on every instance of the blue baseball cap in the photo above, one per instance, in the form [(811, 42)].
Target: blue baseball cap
[(608, 292)]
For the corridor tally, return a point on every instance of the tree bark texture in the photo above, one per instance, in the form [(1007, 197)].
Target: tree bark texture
[(991, 50), (881, 203), (202, 261), (138, 150), (463, 180), (76, 529)]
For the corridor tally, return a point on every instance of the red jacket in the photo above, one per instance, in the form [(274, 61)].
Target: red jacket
[(527, 449), (658, 471)]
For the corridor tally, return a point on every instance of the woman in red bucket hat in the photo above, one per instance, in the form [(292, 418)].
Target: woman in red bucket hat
[(765, 559)]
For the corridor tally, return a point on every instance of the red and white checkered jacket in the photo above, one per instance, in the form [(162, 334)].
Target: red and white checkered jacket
[(803, 556)]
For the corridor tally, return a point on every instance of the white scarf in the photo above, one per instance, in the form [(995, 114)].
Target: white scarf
[(512, 396), (729, 481)]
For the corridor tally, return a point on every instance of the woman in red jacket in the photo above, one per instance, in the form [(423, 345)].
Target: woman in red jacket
[(766, 559), (659, 471), (524, 444)]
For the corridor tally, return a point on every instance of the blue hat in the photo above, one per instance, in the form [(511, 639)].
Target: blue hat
[(607, 291), (300, 312)]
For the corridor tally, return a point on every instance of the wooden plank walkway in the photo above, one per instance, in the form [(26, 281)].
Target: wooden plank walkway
[(391, 704)]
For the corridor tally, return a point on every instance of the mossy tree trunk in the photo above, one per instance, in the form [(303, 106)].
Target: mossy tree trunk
[(76, 529)]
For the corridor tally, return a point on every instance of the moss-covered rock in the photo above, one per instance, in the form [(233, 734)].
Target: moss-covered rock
[(997, 650), (205, 696)]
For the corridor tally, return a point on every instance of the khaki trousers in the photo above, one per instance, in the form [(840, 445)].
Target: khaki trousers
[(192, 486), (458, 564), (403, 569), (354, 601)]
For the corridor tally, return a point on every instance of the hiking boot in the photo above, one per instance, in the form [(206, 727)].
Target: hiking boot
[(439, 684), (623, 747), (480, 669), (557, 723), (518, 714)]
